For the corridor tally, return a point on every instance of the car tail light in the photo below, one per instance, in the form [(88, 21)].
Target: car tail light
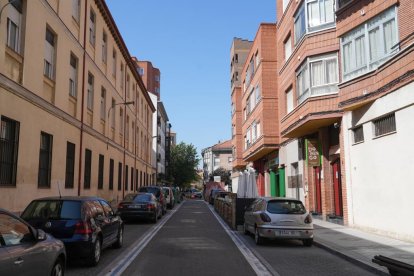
[(265, 217), (83, 228), (150, 206), (308, 219), (120, 206)]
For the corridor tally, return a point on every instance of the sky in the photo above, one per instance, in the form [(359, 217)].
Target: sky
[(189, 41)]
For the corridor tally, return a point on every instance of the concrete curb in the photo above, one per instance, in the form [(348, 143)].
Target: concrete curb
[(360, 263)]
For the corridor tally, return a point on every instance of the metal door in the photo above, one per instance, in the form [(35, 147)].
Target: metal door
[(318, 192), (336, 169)]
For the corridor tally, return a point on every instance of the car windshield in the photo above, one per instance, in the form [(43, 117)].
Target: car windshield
[(53, 209), (285, 207), (155, 191), (166, 191)]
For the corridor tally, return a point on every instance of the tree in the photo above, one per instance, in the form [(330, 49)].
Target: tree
[(183, 164), (223, 173)]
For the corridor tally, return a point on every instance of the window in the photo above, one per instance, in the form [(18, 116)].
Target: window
[(122, 75), (358, 133), (288, 48), (126, 178), (127, 128), (9, 146), (101, 171), (119, 176), (90, 91), (45, 160), (384, 125), (320, 13), (289, 100), (76, 10), (88, 166), (367, 46), (14, 232), (157, 78), (92, 27), (127, 87), (113, 114), (300, 24), (111, 174), (121, 121), (49, 62), (103, 103), (321, 79), (258, 94), (13, 26), (285, 4), (257, 59), (73, 79), (233, 109), (342, 3), (70, 165), (104, 47), (114, 63), (140, 71)]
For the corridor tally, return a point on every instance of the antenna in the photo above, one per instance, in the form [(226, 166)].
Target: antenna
[(60, 196)]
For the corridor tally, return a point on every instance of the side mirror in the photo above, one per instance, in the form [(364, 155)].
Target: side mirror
[(40, 235)]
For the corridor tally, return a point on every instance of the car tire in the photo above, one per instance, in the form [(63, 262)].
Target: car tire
[(155, 218), (258, 240), (95, 255), (58, 268), (245, 230), (120, 239), (307, 242)]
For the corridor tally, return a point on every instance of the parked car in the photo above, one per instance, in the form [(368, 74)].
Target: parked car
[(169, 196), (86, 225), (25, 250), (198, 195), (278, 218), (140, 205), (221, 194), (157, 191)]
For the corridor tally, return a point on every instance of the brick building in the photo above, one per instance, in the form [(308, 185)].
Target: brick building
[(69, 94)]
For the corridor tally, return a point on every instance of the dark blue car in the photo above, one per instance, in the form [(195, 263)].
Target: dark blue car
[(86, 225)]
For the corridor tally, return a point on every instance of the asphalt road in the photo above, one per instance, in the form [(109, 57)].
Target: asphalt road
[(191, 240)]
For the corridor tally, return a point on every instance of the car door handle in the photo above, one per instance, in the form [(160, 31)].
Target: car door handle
[(19, 261)]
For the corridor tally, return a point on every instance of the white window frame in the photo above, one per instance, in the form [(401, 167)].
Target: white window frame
[(104, 47), (257, 94), (73, 75), (114, 61), (289, 100), (50, 53), (14, 19), (362, 32), (92, 27), (76, 10), (288, 47), (103, 103)]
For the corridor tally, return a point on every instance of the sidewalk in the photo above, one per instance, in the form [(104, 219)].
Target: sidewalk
[(360, 247)]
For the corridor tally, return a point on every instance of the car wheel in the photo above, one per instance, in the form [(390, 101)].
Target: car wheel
[(245, 230), (155, 218), (120, 240), (259, 240), (58, 268), (307, 242), (96, 253)]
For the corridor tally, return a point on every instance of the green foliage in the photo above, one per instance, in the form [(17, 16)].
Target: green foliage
[(223, 173), (183, 167)]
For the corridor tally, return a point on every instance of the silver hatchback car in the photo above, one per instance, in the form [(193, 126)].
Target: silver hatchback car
[(28, 251), (278, 218)]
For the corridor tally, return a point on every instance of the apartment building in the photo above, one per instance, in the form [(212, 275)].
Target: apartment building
[(217, 156), (75, 114), (376, 95), (310, 119), (259, 102), (240, 48)]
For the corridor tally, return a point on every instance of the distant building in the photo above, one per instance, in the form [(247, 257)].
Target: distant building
[(214, 157)]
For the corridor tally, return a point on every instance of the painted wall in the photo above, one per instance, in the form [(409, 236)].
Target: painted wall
[(381, 171)]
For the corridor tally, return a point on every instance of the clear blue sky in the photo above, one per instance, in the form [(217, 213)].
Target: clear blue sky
[(189, 41)]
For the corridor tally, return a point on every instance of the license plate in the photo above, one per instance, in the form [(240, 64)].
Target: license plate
[(135, 206), (287, 233)]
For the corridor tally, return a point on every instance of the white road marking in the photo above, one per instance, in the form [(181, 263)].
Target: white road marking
[(258, 265), (118, 266)]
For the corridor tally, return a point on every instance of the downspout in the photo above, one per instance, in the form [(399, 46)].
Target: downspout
[(83, 98), (125, 116), (135, 140)]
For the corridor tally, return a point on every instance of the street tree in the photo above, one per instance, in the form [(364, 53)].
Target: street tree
[(183, 167), (223, 173)]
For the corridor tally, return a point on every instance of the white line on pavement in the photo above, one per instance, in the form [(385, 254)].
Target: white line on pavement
[(118, 266), (258, 266)]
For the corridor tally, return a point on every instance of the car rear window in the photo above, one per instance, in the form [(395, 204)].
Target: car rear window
[(53, 209), (155, 191), (285, 207), (142, 198)]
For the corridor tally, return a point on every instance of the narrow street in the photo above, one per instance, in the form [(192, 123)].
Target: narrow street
[(191, 240)]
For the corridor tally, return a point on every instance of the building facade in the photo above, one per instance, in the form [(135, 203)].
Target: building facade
[(240, 48), (218, 156), (70, 119)]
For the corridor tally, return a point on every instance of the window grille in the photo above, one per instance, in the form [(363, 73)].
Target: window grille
[(358, 134), (384, 125)]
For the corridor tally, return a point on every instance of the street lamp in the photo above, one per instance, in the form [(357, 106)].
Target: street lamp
[(109, 113)]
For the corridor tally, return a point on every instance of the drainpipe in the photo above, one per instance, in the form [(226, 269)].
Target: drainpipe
[(125, 116), (83, 98)]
